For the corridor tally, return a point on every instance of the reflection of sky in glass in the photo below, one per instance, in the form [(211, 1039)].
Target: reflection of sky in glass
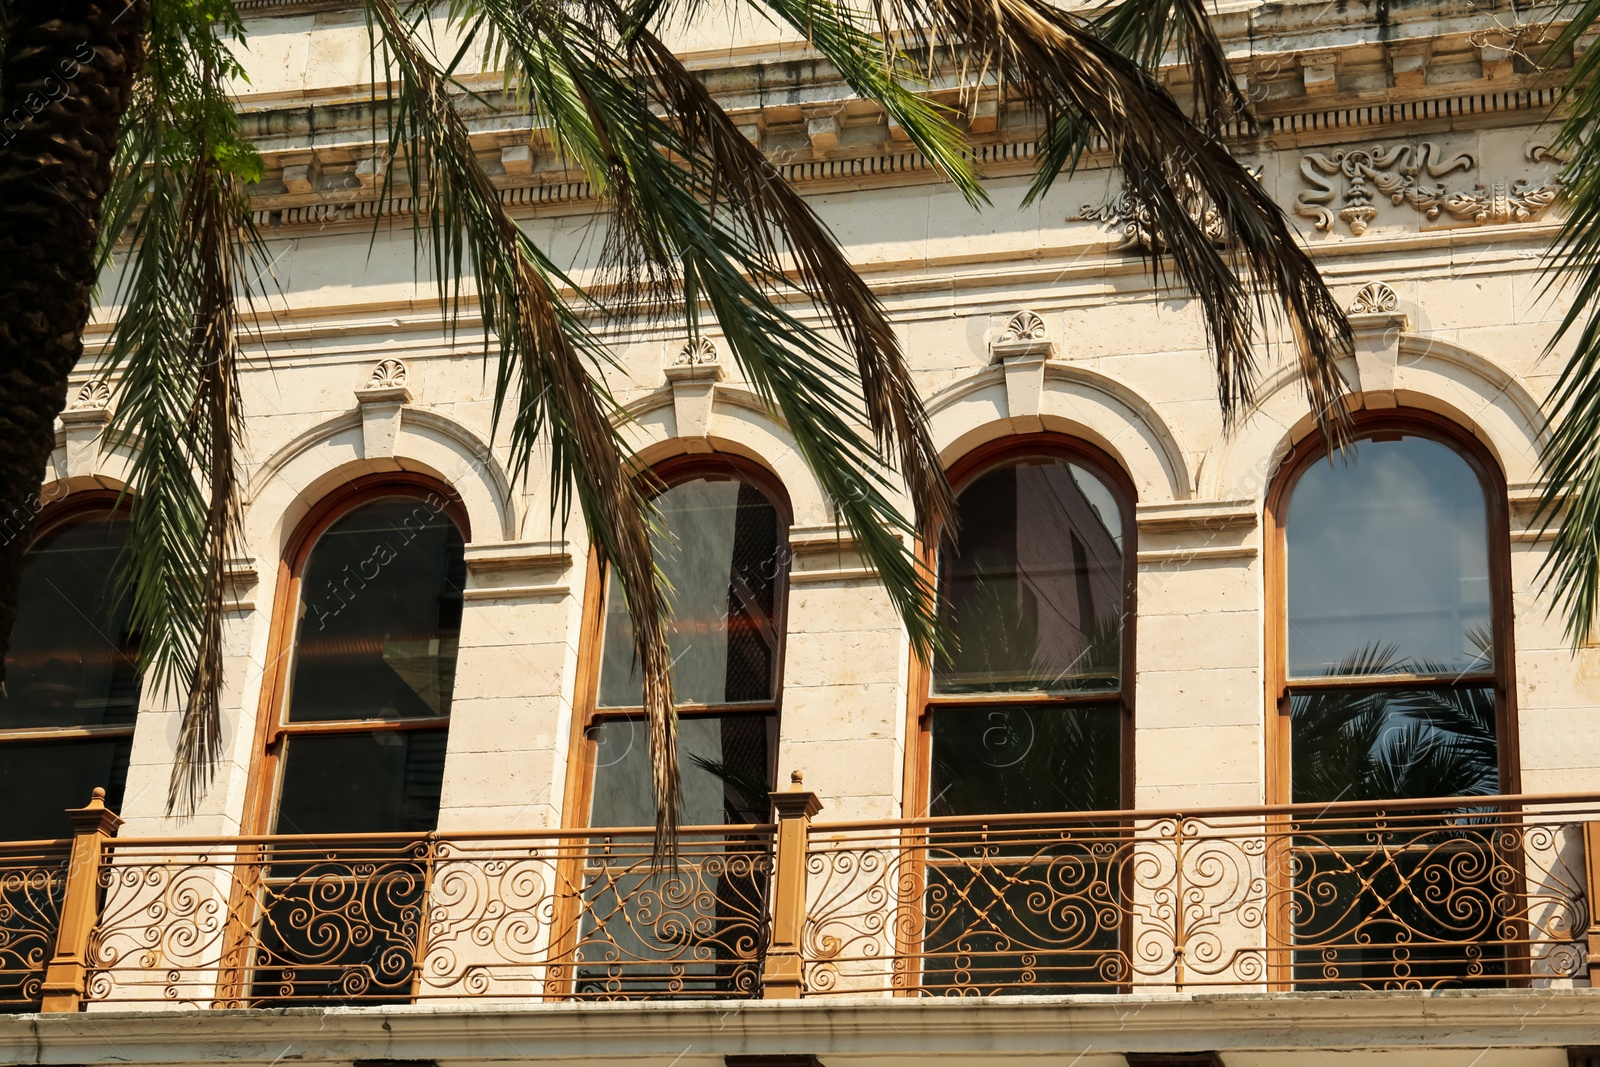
[(1388, 549)]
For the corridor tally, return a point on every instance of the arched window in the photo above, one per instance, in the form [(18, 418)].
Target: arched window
[(1390, 631), (1391, 621), (354, 740), (1029, 709), (722, 544), (72, 673), (354, 724)]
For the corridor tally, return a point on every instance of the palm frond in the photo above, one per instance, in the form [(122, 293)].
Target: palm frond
[(877, 71), (1570, 455), (770, 209), (545, 353), (1146, 31), (715, 222), (1091, 81), (175, 358)]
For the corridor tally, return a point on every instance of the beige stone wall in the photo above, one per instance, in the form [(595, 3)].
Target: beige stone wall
[(1129, 373)]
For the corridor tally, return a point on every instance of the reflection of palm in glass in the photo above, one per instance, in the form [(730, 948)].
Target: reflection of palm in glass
[(1394, 742), (1422, 902)]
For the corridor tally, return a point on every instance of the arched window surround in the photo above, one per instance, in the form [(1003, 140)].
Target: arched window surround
[(265, 766), (658, 478), (81, 506), (962, 473), (1310, 450)]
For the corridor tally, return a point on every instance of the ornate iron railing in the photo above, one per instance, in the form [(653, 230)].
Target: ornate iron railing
[(33, 879), (254, 922), (1404, 895), (1490, 891)]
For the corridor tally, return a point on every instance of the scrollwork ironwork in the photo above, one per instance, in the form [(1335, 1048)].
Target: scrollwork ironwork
[(31, 887), (1414, 899), (298, 921)]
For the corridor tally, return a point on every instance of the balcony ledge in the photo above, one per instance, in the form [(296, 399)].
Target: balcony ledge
[(1516, 1027)]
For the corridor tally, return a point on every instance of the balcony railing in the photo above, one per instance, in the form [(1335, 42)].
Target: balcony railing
[(1475, 892)]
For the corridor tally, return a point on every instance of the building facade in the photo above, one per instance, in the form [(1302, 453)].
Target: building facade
[(1194, 780)]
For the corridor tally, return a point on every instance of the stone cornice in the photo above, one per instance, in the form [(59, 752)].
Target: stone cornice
[(538, 192), (954, 1031), (1316, 74)]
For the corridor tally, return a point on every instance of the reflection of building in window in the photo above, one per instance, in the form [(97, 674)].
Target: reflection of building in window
[(1034, 592), (72, 677), (361, 739), (1027, 713), (718, 545), (359, 747), (721, 545)]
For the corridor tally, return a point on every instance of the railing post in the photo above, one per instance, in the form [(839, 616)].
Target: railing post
[(783, 975), (1591, 858), (64, 979)]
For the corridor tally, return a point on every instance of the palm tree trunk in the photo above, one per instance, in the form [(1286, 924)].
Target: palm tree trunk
[(66, 73)]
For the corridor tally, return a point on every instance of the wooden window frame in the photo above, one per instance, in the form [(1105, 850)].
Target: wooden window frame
[(923, 701), (85, 505), (579, 798), (266, 767), (1502, 678), (1279, 686)]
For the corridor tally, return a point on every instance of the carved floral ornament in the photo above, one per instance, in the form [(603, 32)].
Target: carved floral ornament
[(1374, 298), (1358, 179), (388, 374), (92, 395), (1023, 326), (1137, 223), (697, 352)]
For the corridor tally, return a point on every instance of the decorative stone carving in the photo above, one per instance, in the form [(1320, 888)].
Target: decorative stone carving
[(388, 374), (1374, 298), (92, 395), (1023, 348), (1356, 177), (697, 352), (693, 375), (1023, 326), (380, 403), (1543, 152), (85, 419), (1137, 222)]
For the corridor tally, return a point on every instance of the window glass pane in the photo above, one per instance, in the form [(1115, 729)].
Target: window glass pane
[(40, 781), (997, 761), (1393, 744), (73, 661), (724, 764), (1388, 563), (380, 615), (718, 545), (1034, 591), (378, 781)]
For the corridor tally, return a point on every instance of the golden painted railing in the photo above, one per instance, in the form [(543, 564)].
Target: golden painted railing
[(1416, 894), (280, 921), (33, 880), (1428, 894)]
